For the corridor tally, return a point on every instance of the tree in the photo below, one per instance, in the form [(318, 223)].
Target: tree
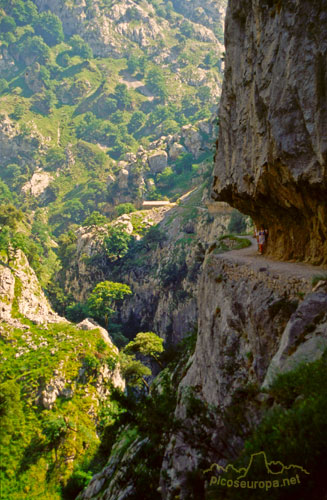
[(24, 12), (80, 48), (5, 194), (136, 122), (117, 116), (104, 298), (108, 106), (33, 49), (155, 80), (147, 344), (95, 219), (125, 208), (204, 94), (18, 111), (3, 85), (122, 96), (117, 242), (132, 64), (165, 178), (134, 371), (210, 59), (7, 24), (10, 215), (49, 26), (187, 29)]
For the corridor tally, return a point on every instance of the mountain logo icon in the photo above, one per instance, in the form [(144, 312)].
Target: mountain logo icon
[(258, 474), (257, 459)]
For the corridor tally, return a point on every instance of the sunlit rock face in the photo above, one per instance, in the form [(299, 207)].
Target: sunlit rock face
[(272, 146)]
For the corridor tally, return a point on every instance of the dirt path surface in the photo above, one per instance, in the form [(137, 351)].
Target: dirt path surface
[(133, 83), (259, 262)]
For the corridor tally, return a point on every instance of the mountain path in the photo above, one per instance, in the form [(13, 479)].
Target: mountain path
[(250, 256)]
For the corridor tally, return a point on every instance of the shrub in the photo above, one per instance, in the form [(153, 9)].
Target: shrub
[(95, 219), (117, 242), (3, 85), (124, 208), (80, 48)]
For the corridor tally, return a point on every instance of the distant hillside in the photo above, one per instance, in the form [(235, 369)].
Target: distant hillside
[(104, 102)]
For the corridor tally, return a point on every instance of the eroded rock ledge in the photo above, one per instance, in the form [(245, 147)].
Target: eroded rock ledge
[(271, 158)]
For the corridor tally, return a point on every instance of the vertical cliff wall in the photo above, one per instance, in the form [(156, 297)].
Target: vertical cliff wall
[(271, 159)]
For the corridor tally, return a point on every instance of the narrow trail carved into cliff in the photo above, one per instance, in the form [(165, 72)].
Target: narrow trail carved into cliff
[(251, 257)]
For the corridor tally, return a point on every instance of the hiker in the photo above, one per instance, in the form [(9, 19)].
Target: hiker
[(262, 237), (256, 235)]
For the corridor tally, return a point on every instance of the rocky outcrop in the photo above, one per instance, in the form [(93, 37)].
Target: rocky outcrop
[(271, 159), (158, 161), (39, 182), (105, 374), (109, 480), (137, 175), (20, 146), (305, 337), (108, 32), (207, 13), (21, 293)]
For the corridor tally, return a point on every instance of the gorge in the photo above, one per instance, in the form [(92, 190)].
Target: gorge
[(243, 372)]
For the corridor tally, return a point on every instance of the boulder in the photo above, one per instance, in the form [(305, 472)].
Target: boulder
[(176, 150), (123, 178), (158, 161)]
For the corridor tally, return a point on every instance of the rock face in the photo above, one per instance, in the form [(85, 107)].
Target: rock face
[(248, 331), (20, 292), (301, 329), (138, 170), (163, 276), (14, 143), (202, 12), (39, 182), (271, 159)]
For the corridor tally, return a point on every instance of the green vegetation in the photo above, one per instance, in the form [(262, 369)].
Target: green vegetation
[(229, 242), (318, 277), (147, 344), (103, 299), (37, 436), (124, 208), (294, 430), (116, 242)]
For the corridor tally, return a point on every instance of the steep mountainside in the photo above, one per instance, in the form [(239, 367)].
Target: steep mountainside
[(55, 387), (86, 84), (271, 160), (102, 103)]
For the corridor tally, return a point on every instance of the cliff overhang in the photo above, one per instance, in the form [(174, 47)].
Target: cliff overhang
[(272, 145)]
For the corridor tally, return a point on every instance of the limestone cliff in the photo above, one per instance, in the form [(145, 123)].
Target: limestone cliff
[(271, 159), (253, 325), (109, 30), (21, 293)]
